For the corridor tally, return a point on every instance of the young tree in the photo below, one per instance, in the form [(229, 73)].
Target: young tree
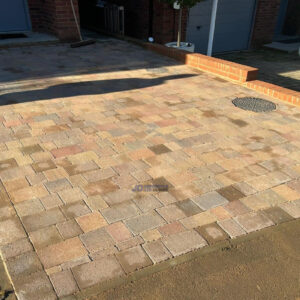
[(182, 4)]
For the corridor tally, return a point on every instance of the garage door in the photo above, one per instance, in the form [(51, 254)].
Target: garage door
[(233, 25), (14, 16)]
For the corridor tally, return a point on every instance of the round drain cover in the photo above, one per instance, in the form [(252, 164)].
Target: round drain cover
[(254, 104)]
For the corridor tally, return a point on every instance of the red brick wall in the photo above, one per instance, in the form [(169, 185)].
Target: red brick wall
[(54, 16), (265, 22), (165, 23), (65, 25), (42, 15)]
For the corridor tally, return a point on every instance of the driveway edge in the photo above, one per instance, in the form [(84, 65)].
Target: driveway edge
[(137, 275)]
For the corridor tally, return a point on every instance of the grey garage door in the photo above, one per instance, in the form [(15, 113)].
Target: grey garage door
[(14, 16), (233, 25)]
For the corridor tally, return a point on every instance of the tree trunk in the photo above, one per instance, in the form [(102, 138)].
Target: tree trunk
[(179, 28)]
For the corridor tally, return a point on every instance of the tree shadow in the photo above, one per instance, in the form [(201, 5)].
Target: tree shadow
[(86, 88)]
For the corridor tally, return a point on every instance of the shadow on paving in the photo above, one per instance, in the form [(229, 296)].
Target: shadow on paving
[(265, 266), (44, 62), (275, 67), (85, 88)]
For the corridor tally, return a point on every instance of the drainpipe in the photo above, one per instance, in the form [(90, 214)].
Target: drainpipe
[(212, 27), (253, 20)]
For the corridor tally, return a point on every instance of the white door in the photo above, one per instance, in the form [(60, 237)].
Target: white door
[(233, 25)]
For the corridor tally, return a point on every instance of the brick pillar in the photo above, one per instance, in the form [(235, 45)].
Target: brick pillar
[(165, 22), (54, 16), (265, 22), (65, 26)]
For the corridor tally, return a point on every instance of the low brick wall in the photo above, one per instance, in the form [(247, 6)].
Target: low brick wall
[(275, 91), (231, 71), (226, 69)]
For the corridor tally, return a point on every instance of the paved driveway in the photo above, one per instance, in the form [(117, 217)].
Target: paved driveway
[(276, 67), (126, 159)]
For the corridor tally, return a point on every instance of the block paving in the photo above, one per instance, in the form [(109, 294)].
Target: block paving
[(113, 158)]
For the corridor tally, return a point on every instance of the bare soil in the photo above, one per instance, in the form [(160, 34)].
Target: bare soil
[(264, 267)]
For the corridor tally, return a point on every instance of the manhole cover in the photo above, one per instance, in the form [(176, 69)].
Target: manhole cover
[(254, 104)]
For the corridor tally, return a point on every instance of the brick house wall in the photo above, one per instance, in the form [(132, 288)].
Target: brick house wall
[(54, 16), (41, 14), (265, 19), (165, 22), (265, 22), (65, 25)]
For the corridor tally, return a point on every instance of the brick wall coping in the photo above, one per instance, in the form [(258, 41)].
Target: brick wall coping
[(231, 71), (245, 75), (238, 73), (224, 68), (275, 91)]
